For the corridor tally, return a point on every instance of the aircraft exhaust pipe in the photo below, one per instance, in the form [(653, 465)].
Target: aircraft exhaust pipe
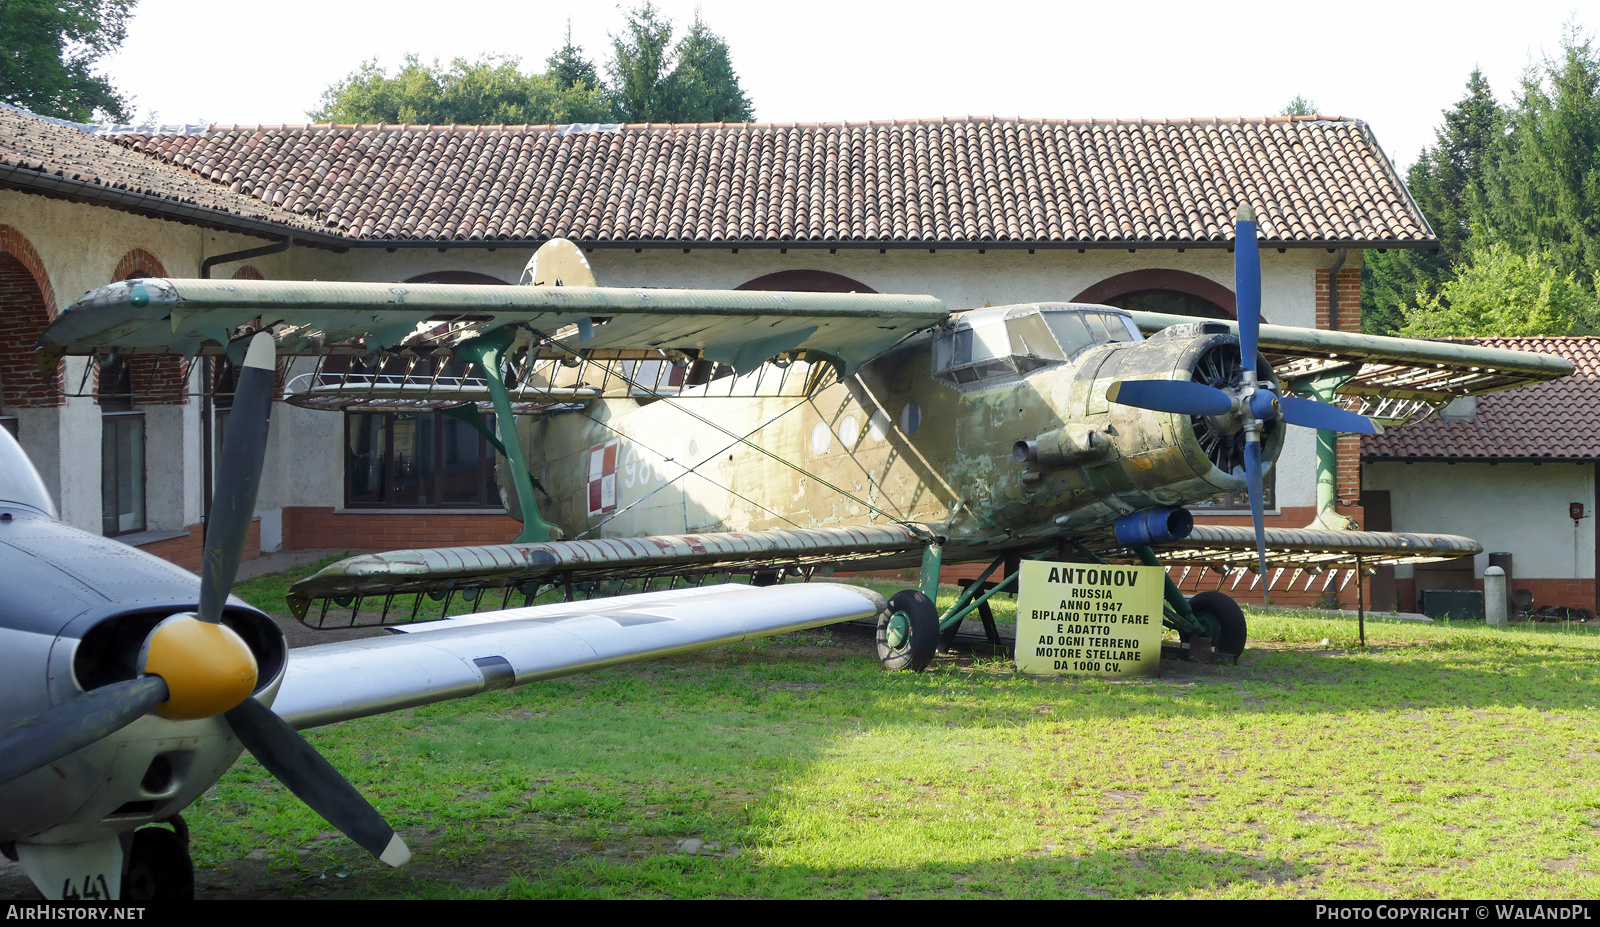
[(1073, 446), (1154, 526)]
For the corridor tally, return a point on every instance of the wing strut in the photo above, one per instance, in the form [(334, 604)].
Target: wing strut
[(488, 351)]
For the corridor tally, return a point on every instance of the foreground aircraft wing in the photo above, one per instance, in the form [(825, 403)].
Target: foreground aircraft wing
[(738, 328), (463, 656), (363, 588), (1392, 380)]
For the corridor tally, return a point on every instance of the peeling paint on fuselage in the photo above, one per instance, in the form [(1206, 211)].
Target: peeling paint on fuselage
[(891, 443)]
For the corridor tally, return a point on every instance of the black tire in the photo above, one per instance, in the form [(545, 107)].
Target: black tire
[(916, 651), (1230, 620), (159, 868)]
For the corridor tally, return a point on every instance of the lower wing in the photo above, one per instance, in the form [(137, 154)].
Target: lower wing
[(463, 656), (1318, 555), (367, 585), (1304, 547)]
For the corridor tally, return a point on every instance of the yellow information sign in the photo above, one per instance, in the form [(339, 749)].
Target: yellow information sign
[(1089, 619)]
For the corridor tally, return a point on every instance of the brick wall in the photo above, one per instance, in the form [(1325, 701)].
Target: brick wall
[(313, 527), (27, 305), (156, 380), (189, 551), (1577, 593)]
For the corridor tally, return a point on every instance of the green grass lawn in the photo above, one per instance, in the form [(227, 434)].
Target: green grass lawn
[(1441, 761)]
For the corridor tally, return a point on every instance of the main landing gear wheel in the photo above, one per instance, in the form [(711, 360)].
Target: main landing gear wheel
[(908, 631), (1232, 632), (159, 868)]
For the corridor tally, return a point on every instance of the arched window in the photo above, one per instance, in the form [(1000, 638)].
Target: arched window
[(806, 281), (1171, 291)]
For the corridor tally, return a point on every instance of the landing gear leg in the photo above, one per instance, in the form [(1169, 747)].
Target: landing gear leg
[(158, 867)]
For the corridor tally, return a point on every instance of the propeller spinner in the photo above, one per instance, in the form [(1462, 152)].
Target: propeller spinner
[(1251, 403), (192, 666)]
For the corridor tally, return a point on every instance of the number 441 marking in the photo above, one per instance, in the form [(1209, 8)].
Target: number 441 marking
[(94, 889)]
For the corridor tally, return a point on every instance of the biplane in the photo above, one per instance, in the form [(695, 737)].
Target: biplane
[(678, 437)]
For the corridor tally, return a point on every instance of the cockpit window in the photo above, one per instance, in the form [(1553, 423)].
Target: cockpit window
[(991, 347), (19, 482)]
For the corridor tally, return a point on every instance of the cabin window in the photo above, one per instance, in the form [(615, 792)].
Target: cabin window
[(990, 350)]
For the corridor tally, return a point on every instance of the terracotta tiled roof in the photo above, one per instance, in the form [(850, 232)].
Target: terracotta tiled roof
[(59, 160), (965, 182), (1558, 419)]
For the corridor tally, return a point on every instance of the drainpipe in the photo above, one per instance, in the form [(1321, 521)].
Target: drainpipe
[(208, 374), (1333, 289)]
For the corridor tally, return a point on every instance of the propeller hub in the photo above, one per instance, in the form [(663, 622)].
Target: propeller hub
[(208, 668)]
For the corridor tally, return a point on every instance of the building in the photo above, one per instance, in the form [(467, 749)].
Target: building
[(1513, 470), (974, 211)]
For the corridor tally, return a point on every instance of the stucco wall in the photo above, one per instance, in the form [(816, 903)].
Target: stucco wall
[(80, 246), (1515, 507)]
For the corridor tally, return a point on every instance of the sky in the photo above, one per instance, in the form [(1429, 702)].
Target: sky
[(1397, 65)]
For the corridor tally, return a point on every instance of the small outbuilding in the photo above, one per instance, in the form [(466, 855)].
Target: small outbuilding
[(1514, 470)]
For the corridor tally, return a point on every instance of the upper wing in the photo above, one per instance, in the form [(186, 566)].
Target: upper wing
[(463, 656), (1393, 380), (738, 328), (522, 568)]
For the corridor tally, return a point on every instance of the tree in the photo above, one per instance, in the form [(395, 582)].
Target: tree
[(1300, 106), (48, 49), (1499, 291), (568, 68), (706, 88), (489, 91), (641, 59), (1544, 191), (1446, 181), (655, 81)]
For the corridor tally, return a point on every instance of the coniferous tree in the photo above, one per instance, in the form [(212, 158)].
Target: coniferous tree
[(568, 68), (641, 67), (1300, 106), (705, 88), (1543, 192), (1445, 181)]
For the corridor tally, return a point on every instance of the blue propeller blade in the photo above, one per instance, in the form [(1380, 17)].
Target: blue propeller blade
[(1247, 284), (1184, 397), (1313, 414), (1252, 475)]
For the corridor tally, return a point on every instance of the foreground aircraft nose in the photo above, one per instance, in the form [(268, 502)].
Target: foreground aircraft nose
[(192, 667)]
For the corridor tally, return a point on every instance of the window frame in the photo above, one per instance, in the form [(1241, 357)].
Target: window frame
[(437, 452)]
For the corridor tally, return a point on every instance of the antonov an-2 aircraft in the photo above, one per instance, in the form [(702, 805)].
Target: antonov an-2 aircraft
[(665, 433)]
